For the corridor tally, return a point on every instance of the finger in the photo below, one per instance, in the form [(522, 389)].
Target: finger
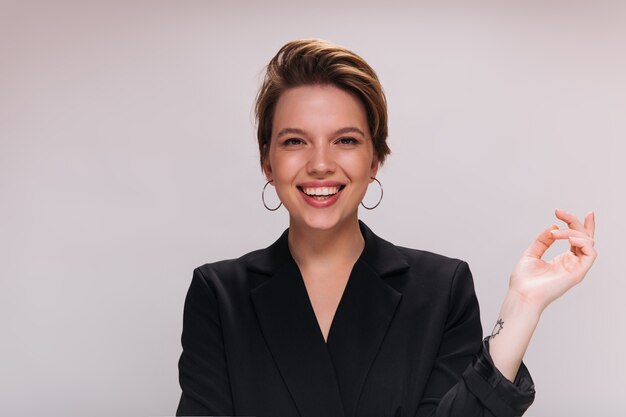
[(570, 219), (541, 243), (566, 233), (590, 223), (586, 248)]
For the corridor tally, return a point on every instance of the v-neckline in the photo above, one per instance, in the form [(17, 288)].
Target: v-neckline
[(314, 368), (343, 292), (337, 309)]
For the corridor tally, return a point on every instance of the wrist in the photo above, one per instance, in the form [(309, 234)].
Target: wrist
[(518, 307), (511, 336)]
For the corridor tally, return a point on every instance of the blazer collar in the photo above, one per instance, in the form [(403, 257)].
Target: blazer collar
[(382, 256), (325, 379)]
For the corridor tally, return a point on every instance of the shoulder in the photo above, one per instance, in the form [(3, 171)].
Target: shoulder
[(445, 282), (419, 269), (262, 261), (228, 268), (225, 265), (430, 261), (438, 273), (237, 276)]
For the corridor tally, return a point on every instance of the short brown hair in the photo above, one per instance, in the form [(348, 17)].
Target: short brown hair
[(315, 61)]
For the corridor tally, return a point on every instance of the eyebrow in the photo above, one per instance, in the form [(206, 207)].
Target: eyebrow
[(293, 130)]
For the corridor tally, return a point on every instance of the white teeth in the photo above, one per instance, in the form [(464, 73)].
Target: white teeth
[(320, 191)]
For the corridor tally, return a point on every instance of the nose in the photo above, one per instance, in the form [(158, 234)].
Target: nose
[(321, 161)]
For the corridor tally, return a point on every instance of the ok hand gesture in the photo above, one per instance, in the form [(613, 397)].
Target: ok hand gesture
[(539, 282)]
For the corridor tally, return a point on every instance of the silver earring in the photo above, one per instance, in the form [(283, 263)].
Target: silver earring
[(263, 199), (379, 200)]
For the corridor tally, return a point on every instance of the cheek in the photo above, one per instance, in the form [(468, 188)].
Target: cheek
[(285, 167), (358, 168)]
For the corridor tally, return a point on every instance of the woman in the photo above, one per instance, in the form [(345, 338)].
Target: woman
[(332, 320)]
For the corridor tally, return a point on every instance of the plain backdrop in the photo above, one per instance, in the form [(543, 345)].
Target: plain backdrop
[(128, 157)]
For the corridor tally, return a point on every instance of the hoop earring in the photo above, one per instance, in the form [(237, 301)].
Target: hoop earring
[(379, 200), (263, 199)]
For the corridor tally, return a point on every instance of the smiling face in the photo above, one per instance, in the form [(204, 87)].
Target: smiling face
[(321, 158)]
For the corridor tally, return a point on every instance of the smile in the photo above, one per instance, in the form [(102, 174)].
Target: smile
[(320, 191), (321, 194)]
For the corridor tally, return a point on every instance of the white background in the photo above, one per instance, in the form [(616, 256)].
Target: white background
[(128, 157)]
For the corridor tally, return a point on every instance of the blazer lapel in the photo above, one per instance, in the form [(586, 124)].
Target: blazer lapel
[(364, 314), (290, 329), (325, 379)]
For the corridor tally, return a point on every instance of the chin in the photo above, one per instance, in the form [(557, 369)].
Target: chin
[(321, 222)]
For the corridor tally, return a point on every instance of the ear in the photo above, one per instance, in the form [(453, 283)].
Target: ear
[(267, 167), (374, 167)]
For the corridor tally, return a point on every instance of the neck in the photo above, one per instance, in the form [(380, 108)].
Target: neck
[(339, 245)]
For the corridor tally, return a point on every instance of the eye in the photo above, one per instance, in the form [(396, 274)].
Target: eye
[(293, 141), (347, 141)]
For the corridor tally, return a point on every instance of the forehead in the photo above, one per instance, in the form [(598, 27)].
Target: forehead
[(318, 107)]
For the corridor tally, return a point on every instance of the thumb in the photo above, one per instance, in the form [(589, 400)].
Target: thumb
[(541, 243)]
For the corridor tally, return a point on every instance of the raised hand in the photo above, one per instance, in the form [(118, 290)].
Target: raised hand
[(539, 282), (535, 283)]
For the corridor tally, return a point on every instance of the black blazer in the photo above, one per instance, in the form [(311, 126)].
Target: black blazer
[(405, 341)]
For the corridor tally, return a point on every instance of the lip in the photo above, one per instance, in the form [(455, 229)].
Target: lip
[(315, 184), (320, 203)]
